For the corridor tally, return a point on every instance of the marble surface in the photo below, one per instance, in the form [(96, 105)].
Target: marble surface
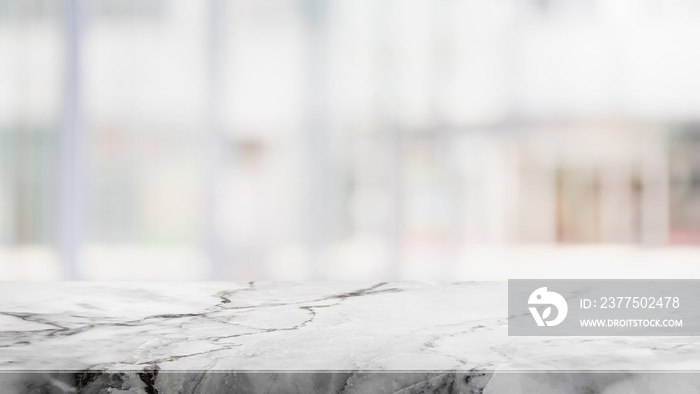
[(408, 336)]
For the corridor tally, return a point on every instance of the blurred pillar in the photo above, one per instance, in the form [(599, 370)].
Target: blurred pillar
[(617, 205), (655, 185), (538, 199), (71, 187), (219, 257), (443, 74), (317, 130), (391, 134)]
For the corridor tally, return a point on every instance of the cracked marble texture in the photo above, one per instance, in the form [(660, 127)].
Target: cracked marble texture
[(323, 337)]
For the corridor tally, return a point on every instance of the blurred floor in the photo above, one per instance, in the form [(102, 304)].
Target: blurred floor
[(134, 263)]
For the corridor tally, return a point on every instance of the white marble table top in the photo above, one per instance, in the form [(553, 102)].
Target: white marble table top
[(313, 326)]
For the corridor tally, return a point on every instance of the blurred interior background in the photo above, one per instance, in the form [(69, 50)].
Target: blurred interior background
[(349, 140)]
